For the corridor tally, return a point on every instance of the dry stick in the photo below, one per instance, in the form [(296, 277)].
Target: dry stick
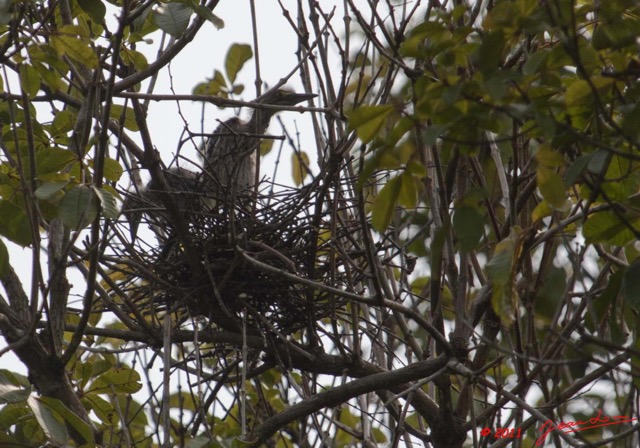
[(355, 297), (166, 381), (502, 176), (243, 387), (258, 84)]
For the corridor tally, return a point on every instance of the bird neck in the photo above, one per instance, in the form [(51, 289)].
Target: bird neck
[(259, 121)]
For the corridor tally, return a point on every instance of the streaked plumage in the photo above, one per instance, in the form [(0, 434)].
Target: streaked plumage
[(230, 154)]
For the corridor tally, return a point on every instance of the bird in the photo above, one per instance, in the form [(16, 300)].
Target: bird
[(182, 184), (230, 153), (229, 167)]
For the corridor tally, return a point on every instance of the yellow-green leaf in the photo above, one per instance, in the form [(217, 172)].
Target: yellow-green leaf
[(547, 156), (299, 167), (607, 227), (119, 380), (69, 418), (500, 271), (542, 210), (95, 8), (29, 80), (265, 146), (552, 187), (237, 56), (76, 48), (384, 204), (408, 196), (52, 426), (126, 115), (214, 86), (580, 92), (112, 169), (368, 120), (14, 223)]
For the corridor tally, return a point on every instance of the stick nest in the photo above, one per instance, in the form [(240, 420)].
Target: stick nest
[(254, 262)]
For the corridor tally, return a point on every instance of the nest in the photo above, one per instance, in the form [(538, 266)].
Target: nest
[(255, 259)]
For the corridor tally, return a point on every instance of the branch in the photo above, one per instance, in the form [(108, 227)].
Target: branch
[(333, 397)]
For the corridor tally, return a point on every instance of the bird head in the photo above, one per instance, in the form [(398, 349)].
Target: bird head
[(284, 97)]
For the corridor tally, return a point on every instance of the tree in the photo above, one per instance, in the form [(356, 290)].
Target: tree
[(458, 267)]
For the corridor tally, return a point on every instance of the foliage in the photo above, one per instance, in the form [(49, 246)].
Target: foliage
[(468, 227)]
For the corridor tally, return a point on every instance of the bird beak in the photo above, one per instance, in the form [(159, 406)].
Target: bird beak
[(296, 98)]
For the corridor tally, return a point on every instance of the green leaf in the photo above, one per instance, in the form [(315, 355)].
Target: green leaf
[(102, 408), (14, 223), (607, 227), (77, 48), (548, 157), (53, 428), (237, 56), (384, 204), (299, 167), (575, 169), (500, 266), (542, 210), (630, 122), (552, 187), (126, 115), (29, 80), (549, 180), (631, 284), (579, 92), (63, 122), (78, 208), (69, 418), (431, 133), (500, 271), (206, 13), (95, 8), (468, 226), (173, 18), (9, 392), (4, 259), (214, 86), (119, 380), (53, 160), (408, 196), (112, 169), (48, 190), (135, 58), (265, 146), (107, 203), (367, 121), (535, 62)]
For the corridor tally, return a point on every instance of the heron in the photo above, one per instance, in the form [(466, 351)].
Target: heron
[(184, 187), (230, 153), (229, 167)]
